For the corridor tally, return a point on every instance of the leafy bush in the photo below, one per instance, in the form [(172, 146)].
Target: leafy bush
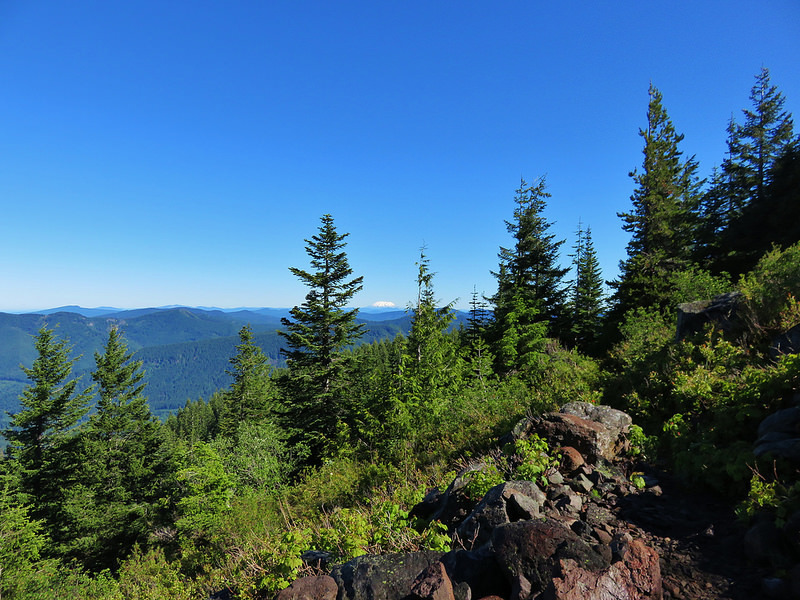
[(257, 457), (771, 290), (533, 458), (207, 490), (780, 497), (480, 481), (697, 284), (150, 576)]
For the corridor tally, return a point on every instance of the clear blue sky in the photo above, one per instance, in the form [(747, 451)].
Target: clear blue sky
[(156, 153)]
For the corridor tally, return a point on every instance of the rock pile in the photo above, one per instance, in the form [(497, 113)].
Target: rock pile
[(523, 540)]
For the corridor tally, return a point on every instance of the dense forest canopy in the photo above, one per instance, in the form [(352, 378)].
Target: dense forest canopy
[(101, 500)]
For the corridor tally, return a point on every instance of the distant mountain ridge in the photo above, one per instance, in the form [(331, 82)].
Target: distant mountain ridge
[(185, 351)]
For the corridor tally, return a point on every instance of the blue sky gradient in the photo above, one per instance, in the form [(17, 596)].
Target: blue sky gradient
[(156, 153)]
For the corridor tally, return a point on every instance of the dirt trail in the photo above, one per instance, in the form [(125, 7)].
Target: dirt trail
[(699, 540)]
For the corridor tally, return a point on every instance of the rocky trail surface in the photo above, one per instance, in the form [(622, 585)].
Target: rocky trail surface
[(698, 539)]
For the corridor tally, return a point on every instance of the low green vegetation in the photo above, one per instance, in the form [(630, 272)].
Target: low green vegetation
[(99, 499)]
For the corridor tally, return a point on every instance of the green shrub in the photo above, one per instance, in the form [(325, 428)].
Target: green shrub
[(150, 576), (480, 481), (771, 290), (533, 459)]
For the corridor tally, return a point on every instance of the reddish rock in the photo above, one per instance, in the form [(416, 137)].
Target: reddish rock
[(571, 459), (637, 577), (322, 587), (528, 552), (433, 584), (594, 440)]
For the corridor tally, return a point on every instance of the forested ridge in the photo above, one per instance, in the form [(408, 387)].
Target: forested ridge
[(330, 452), (184, 351)]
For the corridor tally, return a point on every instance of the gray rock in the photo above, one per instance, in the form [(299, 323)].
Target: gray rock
[(569, 503), (779, 435), (788, 449), (721, 310), (504, 503), (581, 483), (614, 419), (383, 577), (785, 421)]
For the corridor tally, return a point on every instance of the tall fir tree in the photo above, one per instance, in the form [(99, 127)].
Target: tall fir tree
[(316, 335), (586, 298), (43, 435), (662, 220), (740, 204), (251, 396), (763, 138), (480, 355), (123, 463), (530, 290), (430, 365)]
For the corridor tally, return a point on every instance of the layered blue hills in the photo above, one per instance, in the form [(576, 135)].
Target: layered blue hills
[(185, 351)]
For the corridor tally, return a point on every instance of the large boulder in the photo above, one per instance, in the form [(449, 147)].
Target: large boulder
[(721, 310), (617, 421), (779, 435), (599, 433), (381, 577), (637, 576), (322, 587), (529, 553), (505, 503), (433, 584)]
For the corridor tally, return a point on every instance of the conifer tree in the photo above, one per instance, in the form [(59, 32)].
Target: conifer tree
[(317, 335), (530, 292), (478, 320), (250, 396), (111, 508), (661, 221), (763, 137), (586, 302), (430, 365), (741, 201), (43, 434), (480, 355)]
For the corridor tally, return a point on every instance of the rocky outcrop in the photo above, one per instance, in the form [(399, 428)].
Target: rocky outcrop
[(322, 587), (523, 540), (635, 576), (779, 435), (508, 502), (597, 432), (721, 310), (381, 577), (530, 553)]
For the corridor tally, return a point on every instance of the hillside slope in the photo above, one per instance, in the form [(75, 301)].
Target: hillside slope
[(185, 351)]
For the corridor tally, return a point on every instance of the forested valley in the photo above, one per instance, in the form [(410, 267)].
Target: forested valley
[(100, 499)]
